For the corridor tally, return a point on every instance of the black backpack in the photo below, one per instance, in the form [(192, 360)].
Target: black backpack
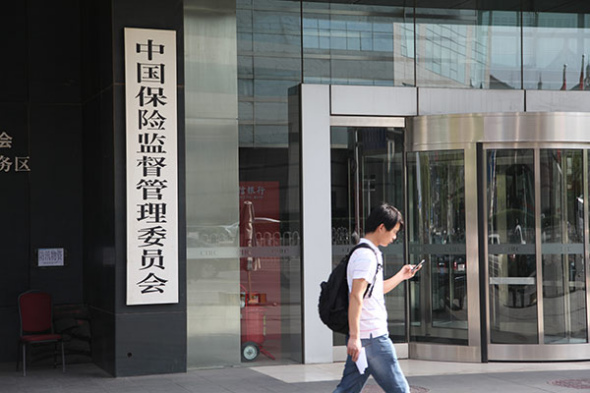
[(333, 304)]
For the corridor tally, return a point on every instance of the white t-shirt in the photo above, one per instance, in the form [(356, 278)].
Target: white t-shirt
[(363, 264)]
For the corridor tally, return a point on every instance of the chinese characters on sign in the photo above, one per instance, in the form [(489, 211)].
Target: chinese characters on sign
[(152, 190), (252, 191), (11, 163)]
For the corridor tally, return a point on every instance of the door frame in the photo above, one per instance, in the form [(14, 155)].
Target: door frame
[(314, 109), (339, 351)]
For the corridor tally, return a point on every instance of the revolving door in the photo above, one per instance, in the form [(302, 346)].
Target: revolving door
[(496, 207)]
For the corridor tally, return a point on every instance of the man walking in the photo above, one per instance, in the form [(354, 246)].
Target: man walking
[(367, 315)]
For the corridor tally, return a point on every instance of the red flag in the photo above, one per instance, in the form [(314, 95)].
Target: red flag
[(564, 83)]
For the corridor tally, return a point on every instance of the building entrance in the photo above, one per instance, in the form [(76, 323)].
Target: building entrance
[(535, 226), (503, 225), (494, 202), (367, 169)]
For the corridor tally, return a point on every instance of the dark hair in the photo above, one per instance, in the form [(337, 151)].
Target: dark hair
[(384, 214)]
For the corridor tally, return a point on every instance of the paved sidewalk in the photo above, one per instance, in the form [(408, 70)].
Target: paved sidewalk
[(435, 377)]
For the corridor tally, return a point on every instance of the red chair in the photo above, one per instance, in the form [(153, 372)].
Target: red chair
[(36, 325)]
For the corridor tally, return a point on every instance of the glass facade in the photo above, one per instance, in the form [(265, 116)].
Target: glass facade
[(212, 200), (269, 63), (468, 49), (555, 51), (251, 251), (351, 44)]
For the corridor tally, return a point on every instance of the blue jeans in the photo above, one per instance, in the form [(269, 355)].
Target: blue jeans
[(383, 366)]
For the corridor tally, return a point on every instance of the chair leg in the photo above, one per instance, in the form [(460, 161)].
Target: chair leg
[(17, 355), (63, 358), (24, 360)]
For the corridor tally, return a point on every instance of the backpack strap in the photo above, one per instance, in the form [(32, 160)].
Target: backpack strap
[(369, 290), (371, 286)]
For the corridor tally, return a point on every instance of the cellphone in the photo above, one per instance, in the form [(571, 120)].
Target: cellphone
[(418, 265)]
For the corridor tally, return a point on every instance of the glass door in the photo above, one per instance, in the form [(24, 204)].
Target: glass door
[(535, 241), (367, 169), (511, 247), (506, 194), (437, 233), (562, 246)]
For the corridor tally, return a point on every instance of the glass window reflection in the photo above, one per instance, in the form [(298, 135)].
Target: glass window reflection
[(555, 51), (468, 49), (268, 235), (350, 44), (269, 63)]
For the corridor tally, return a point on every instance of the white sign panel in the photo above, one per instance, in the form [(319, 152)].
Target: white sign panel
[(50, 257), (152, 189)]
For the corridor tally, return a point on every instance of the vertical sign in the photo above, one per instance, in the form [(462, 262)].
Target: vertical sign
[(152, 189)]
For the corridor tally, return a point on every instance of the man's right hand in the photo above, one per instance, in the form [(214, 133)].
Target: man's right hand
[(353, 348)]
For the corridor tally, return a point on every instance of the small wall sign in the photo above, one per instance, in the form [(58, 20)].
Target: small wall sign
[(50, 257)]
